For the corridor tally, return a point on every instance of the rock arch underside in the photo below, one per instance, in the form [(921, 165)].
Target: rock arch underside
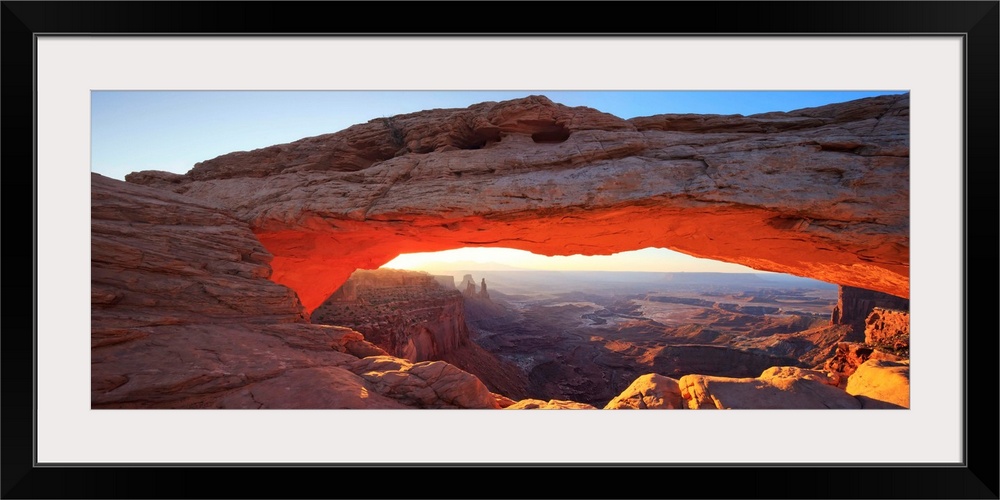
[(819, 192), (202, 284)]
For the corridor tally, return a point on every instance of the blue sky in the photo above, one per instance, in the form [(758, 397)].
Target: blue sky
[(173, 130)]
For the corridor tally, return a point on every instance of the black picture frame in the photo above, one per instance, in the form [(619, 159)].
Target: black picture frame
[(977, 22)]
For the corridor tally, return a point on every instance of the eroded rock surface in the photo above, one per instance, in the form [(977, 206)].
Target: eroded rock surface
[(881, 384), (552, 404), (819, 192), (419, 317), (407, 313), (776, 388), (848, 356), (184, 316), (310, 388), (161, 259), (888, 329), (854, 305), (650, 391), (200, 365), (887, 338), (877, 384), (428, 384)]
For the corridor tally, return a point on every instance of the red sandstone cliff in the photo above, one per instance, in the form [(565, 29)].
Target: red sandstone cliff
[(406, 313), (889, 330), (886, 339), (412, 316), (855, 304)]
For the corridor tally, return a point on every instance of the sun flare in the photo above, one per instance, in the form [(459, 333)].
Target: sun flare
[(483, 259)]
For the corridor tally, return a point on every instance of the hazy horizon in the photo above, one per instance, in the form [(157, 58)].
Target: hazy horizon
[(650, 261), (508, 259), (512, 280)]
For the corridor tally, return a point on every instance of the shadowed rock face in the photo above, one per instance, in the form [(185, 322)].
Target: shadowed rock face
[(888, 329), (854, 305), (406, 313), (161, 259), (820, 192), (184, 316), (418, 317)]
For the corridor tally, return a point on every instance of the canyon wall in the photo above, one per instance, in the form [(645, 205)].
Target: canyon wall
[(888, 329), (886, 339), (819, 192), (407, 313), (418, 317), (855, 304)]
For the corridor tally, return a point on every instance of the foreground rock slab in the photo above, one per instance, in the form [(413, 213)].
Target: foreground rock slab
[(781, 388), (552, 404), (650, 391), (311, 388), (200, 365), (427, 384), (881, 384), (848, 356)]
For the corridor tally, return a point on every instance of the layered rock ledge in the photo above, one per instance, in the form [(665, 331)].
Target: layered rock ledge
[(819, 192), (184, 316)]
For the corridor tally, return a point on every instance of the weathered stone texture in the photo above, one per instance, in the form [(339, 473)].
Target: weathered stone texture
[(820, 192)]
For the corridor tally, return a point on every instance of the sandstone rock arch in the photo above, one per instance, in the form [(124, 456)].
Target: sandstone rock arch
[(819, 192)]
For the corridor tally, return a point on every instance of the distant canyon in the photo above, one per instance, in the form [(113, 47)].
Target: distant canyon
[(252, 281), (586, 336)]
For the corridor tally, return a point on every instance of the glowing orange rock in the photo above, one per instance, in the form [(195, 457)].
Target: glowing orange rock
[(649, 391), (820, 192), (881, 384), (776, 388), (888, 329), (183, 315), (552, 404)]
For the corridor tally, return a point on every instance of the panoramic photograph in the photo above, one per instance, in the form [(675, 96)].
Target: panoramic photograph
[(500, 250)]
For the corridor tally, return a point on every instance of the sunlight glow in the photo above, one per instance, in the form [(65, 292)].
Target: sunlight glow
[(500, 259)]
